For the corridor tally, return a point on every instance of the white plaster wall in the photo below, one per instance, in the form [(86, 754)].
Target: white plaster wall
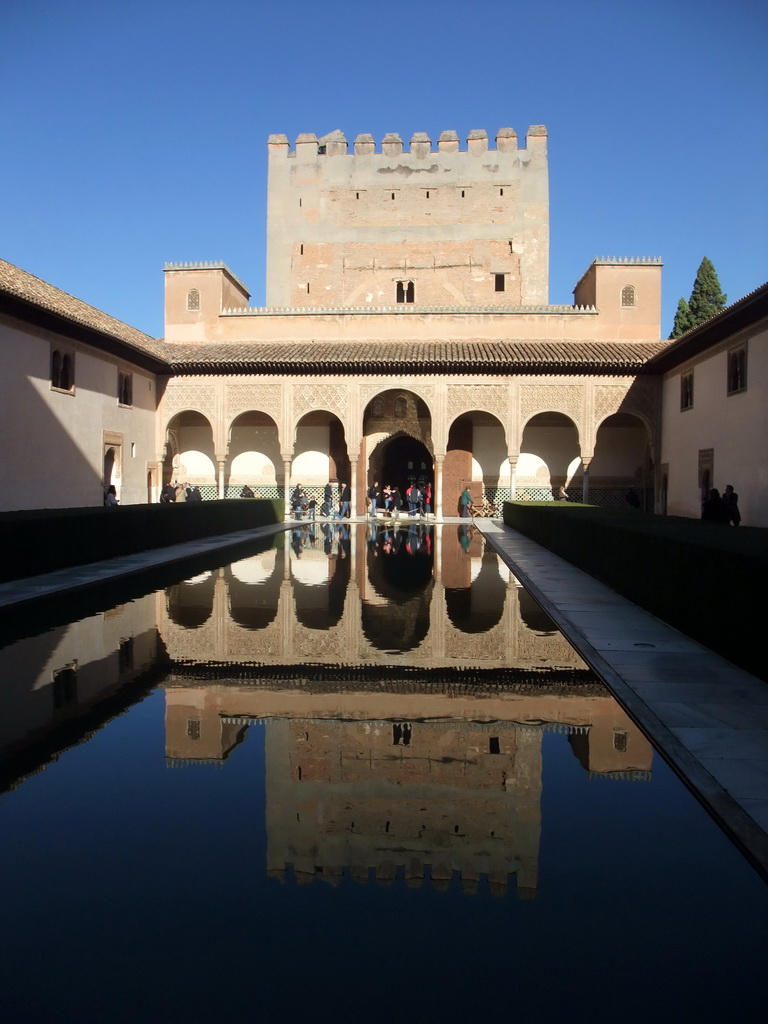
[(734, 426), (55, 459)]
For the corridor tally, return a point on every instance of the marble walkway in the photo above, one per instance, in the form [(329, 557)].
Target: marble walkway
[(707, 718)]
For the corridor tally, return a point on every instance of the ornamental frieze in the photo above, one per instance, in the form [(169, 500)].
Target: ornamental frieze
[(189, 397), (328, 397), (492, 398), (266, 398), (564, 398)]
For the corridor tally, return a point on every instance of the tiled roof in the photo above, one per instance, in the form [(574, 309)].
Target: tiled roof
[(414, 357), (740, 315), (30, 291)]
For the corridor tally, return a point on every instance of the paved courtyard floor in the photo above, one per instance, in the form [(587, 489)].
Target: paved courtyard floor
[(708, 718)]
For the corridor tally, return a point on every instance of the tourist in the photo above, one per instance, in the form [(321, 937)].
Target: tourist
[(731, 500), (465, 501), (326, 508), (246, 492), (345, 496), (373, 495), (195, 495), (168, 494), (632, 498), (561, 494), (714, 509), (110, 498), (428, 498), (396, 503)]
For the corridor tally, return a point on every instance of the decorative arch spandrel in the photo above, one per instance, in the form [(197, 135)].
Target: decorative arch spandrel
[(199, 398), (564, 398), (490, 398)]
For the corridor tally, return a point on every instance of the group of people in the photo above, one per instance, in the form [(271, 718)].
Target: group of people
[(418, 498), (721, 508), (176, 492)]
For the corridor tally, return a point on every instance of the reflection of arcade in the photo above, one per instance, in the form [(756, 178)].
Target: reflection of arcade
[(434, 781), (361, 596)]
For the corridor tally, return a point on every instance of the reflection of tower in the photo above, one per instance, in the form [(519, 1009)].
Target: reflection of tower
[(404, 798)]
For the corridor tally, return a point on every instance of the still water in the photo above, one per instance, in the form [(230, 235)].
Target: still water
[(357, 776)]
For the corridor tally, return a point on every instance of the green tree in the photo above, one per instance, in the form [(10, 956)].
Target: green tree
[(683, 319), (706, 300)]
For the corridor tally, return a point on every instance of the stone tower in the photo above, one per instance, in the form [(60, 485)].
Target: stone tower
[(444, 227)]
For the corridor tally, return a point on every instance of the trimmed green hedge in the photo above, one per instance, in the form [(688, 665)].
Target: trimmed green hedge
[(700, 577), (43, 540)]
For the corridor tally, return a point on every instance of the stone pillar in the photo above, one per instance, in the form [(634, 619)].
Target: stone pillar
[(221, 466), (513, 475), (585, 479), (437, 497), (287, 485), (354, 469)]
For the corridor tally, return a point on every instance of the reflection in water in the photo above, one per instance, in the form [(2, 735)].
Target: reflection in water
[(409, 745)]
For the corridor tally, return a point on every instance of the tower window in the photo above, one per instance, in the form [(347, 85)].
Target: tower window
[(405, 291), (628, 297), (65, 686), (620, 740), (501, 191), (124, 388), (463, 193), (686, 391), (499, 282), (62, 370), (393, 195), (737, 369), (193, 300), (301, 249)]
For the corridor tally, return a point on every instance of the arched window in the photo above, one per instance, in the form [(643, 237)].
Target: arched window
[(124, 388), (401, 408), (377, 410), (193, 300), (737, 369), (628, 296), (67, 372)]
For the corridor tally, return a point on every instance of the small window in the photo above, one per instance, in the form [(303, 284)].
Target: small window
[(65, 686), (400, 407), (493, 745), (620, 741), (301, 249), (377, 410), (686, 391), (393, 195), (125, 654), (62, 370), (405, 291), (193, 728), (193, 300), (499, 282), (501, 191), (462, 193), (357, 195), (427, 193), (737, 369), (124, 388), (628, 297)]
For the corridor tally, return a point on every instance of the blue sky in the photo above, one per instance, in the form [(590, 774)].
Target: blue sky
[(134, 131)]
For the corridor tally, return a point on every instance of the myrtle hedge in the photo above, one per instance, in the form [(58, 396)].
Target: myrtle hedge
[(43, 540), (702, 578)]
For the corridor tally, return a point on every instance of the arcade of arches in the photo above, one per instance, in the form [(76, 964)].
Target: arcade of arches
[(503, 439)]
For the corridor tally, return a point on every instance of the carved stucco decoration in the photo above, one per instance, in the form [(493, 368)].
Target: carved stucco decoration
[(477, 648), (564, 398), (426, 392), (193, 397), (318, 644), (190, 644), (249, 645), (266, 398), (490, 398), (329, 397)]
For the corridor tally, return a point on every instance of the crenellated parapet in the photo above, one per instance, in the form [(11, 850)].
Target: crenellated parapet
[(308, 144)]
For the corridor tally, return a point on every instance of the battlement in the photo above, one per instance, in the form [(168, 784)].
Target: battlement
[(335, 143)]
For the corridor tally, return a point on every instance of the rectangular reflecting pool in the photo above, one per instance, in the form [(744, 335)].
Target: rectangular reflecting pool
[(354, 776)]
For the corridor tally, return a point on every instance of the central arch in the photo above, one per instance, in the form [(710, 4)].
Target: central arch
[(401, 460)]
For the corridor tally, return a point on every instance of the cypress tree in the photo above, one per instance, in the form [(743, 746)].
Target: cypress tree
[(683, 319), (706, 297)]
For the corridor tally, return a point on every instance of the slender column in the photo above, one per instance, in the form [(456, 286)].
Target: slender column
[(221, 465), (585, 484), (354, 467), (437, 497), (513, 476), (287, 485)]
